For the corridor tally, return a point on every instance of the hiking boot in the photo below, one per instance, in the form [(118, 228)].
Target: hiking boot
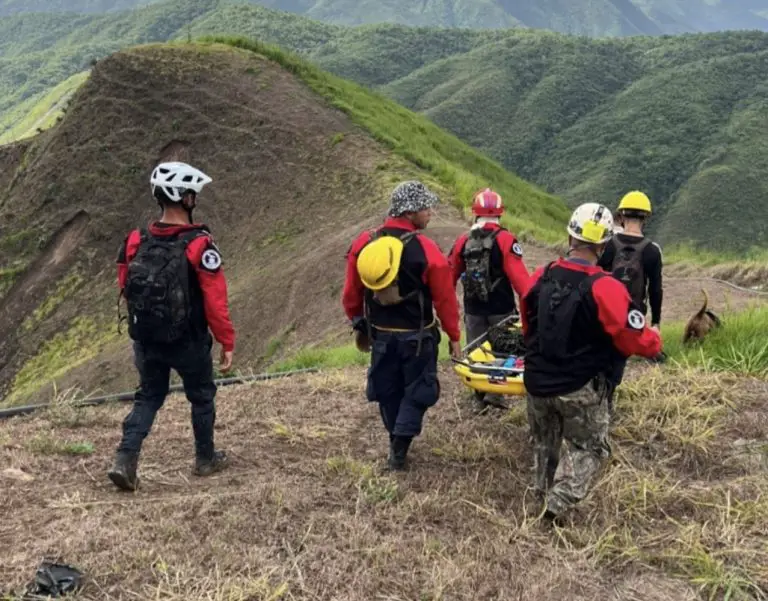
[(206, 467), (123, 472), (398, 452)]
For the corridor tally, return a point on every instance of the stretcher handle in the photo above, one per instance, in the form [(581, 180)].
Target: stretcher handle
[(480, 339)]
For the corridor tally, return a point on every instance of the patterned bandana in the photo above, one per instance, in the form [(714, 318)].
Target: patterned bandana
[(411, 197)]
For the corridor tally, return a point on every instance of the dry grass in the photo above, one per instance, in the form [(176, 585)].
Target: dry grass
[(306, 512)]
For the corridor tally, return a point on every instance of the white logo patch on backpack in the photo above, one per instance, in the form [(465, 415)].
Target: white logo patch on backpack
[(211, 260), (636, 320)]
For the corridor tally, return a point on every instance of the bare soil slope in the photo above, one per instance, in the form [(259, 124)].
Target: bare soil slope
[(306, 513), (293, 182)]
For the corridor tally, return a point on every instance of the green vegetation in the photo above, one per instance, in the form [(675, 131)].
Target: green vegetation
[(679, 117), (310, 357), (39, 112), (457, 167), (8, 276), (739, 346), (44, 444), (83, 340), (586, 17), (64, 290)]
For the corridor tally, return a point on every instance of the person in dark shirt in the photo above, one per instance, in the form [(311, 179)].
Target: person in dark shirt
[(575, 316), (645, 282), (637, 262)]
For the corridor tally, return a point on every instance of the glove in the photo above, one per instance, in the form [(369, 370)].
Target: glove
[(660, 358), (360, 330), (360, 324)]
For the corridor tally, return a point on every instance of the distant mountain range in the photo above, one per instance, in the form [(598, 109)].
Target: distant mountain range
[(583, 17), (681, 117)]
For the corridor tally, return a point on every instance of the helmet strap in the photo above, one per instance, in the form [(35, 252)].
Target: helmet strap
[(582, 248)]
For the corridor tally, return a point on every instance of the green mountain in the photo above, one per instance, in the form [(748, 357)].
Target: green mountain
[(583, 17), (680, 117)]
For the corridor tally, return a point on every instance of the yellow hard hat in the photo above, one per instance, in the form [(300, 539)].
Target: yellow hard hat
[(635, 201), (379, 262)]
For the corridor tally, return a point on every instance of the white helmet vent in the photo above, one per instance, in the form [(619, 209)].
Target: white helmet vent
[(175, 178)]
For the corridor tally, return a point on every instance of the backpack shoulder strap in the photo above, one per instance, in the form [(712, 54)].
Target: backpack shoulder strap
[(187, 237), (586, 284), (642, 244), (547, 267)]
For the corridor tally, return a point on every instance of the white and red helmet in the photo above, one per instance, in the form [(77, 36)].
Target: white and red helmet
[(487, 203)]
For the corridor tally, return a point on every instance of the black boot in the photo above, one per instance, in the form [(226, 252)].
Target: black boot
[(398, 451), (123, 472), (206, 467)]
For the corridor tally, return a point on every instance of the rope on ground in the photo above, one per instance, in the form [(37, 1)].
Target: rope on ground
[(725, 282)]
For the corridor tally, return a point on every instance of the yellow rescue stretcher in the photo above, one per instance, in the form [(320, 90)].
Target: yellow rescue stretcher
[(486, 371)]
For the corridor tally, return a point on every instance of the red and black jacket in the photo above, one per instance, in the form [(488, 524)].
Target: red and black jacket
[(579, 343), (423, 267), (210, 307), (506, 265)]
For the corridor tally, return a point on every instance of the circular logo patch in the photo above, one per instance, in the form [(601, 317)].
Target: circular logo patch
[(211, 260), (636, 320), (517, 249)]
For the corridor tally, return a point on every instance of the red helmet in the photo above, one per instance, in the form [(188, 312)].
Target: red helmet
[(487, 203)]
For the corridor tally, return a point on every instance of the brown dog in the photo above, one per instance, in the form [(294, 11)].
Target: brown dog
[(700, 324)]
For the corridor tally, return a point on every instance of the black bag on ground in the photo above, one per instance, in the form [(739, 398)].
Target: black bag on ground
[(55, 580)]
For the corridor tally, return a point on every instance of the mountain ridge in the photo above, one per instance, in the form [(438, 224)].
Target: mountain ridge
[(564, 112), (581, 17)]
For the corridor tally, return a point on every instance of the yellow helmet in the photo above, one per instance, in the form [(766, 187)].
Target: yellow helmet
[(379, 262), (635, 201)]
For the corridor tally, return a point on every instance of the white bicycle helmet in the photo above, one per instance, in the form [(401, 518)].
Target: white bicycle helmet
[(591, 223), (175, 178)]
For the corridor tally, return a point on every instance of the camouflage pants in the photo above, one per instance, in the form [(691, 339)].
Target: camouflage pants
[(580, 418)]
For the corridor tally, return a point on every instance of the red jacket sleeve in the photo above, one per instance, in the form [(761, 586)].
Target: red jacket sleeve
[(438, 277), (523, 299), (456, 260), (353, 295), (206, 259), (622, 321), (125, 256), (514, 266)]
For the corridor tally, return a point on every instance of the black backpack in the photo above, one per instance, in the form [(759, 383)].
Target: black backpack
[(558, 304), (157, 289), (478, 284), (628, 268)]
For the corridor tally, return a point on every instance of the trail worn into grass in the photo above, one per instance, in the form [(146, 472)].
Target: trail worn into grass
[(305, 512)]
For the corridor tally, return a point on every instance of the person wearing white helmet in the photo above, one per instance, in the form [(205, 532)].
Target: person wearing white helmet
[(170, 275), (575, 316)]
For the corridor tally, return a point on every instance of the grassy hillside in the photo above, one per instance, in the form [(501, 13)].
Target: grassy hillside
[(39, 112), (225, 107), (585, 119), (584, 17), (590, 120)]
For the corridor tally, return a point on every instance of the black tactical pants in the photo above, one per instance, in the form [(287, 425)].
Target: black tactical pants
[(403, 382), (616, 375), (193, 362)]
